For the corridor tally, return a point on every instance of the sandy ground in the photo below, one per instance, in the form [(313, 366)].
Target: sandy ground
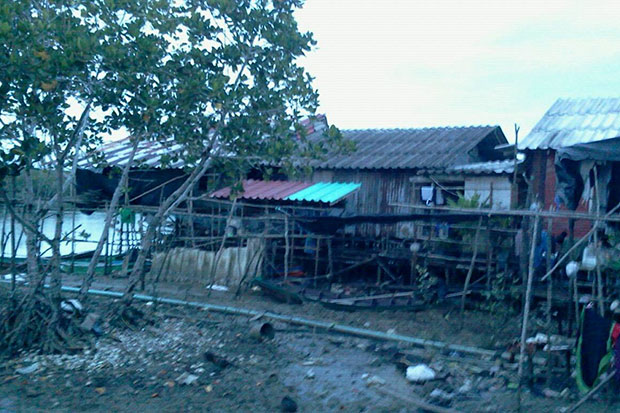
[(144, 369)]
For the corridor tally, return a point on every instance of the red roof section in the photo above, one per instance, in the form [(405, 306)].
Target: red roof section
[(269, 190)]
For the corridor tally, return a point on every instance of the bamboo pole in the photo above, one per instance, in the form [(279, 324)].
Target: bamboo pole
[(330, 260), (317, 247), (470, 271), (528, 298), (511, 212), (4, 237), (599, 276), (286, 247), (13, 243), (590, 393), (490, 251), (73, 212), (579, 242), (549, 293)]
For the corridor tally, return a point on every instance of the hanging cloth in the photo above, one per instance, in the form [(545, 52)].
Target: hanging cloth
[(594, 349)]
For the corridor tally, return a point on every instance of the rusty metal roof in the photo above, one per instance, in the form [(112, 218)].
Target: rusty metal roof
[(572, 121), (322, 192), (413, 148), (267, 190)]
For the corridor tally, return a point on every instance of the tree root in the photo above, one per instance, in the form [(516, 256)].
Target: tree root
[(128, 317), (37, 323)]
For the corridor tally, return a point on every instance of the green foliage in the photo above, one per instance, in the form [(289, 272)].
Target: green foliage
[(425, 283), (220, 78)]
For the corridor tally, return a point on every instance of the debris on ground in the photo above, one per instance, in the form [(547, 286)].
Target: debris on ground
[(187, 379), (420, 373), (288, 405), (28, 370)]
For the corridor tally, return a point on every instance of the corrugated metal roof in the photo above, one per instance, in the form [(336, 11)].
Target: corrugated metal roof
[(148, 153), (411, 148), (572, 121), (326, 192), (481, 168), (267, 190)]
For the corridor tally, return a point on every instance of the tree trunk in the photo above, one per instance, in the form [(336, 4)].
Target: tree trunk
[(56, 278), (92, 266), (164, 209)]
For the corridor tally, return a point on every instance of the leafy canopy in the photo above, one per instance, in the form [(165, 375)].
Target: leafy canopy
[(218, 78)]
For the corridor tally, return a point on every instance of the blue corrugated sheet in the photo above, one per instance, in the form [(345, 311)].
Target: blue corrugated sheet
[(572, 121), (327, 192)]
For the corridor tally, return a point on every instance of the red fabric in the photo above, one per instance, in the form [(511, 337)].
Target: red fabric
[(615, 333)]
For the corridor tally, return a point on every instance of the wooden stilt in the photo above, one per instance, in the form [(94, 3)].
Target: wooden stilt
[(528, 298), (317, 248), (286, 247), (470, 271), (599, 276), (549, 294), (330, 260)]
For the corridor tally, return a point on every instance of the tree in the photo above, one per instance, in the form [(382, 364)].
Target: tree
[(218, 78)]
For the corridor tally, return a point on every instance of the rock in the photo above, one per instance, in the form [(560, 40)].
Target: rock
[(89, 321), (441, 395), (187, 379), (375, 380), (539, 338), (28, 370), (76, 304), (466, 387), (219, 361), (552, 394), (376, 362), (288, 405), (337, 341), (420, 373)]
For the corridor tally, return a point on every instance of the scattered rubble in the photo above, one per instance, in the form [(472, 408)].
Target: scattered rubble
[(187, 379), (28, 370), (420, 373)]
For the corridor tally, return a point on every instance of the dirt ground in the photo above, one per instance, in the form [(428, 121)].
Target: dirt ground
[(145, 369)]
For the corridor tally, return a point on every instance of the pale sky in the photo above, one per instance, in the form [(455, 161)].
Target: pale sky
[(409, 63)]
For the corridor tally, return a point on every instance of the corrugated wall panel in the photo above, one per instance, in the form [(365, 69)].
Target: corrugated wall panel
[(379, 190)]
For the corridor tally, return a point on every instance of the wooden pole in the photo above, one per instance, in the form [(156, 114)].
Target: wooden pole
[(590, 393), (317, 247), (599, 276), (330, 260), (292, 245), (190, 210), (2, 241), (515, 187), (415, 402), (286, 247), (528, 297), (13, 243), (73, 227), (489, 253), (549, 294), (472, 264)]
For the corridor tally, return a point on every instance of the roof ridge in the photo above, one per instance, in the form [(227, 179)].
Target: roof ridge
[(422, 128)]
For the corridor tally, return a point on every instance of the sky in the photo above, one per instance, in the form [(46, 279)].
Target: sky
[(410, 63)]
